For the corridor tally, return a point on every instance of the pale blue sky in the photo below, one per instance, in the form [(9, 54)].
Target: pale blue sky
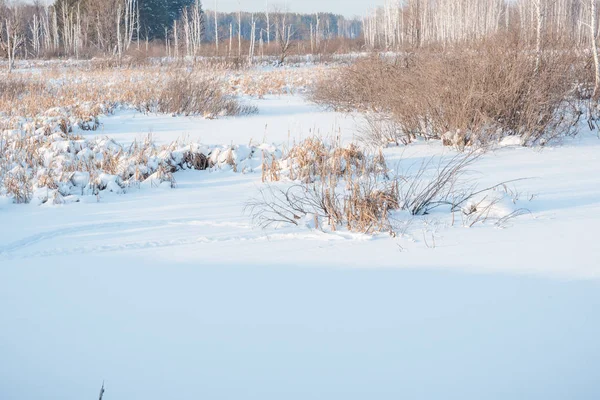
[(348, 8)]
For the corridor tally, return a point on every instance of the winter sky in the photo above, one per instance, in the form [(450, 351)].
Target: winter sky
[(347, 8)]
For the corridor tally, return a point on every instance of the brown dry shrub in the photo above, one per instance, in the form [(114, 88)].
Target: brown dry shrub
[(465, 96), (190, 94)]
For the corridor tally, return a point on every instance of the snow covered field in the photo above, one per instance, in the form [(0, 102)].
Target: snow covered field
[(174, 293)]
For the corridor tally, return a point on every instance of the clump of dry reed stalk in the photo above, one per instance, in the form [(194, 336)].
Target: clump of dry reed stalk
[(321, 169), (341, 186)]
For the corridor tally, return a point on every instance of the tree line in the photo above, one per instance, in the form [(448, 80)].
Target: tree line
[(85, 28), (424, 22)]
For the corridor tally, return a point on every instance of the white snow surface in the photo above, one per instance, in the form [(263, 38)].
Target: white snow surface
[(174, 294), (279, 118)]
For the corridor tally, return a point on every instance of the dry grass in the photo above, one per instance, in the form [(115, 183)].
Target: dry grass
[(41, 109), (95, 91), (364, 207), (314, 159), (210, 91), (41, 163), (321, 170), (338, 186)]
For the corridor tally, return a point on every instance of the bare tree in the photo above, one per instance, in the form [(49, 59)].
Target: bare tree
[(420, 22), (193, 27), (3, 17), (103, 15), (216, 30), (239, 30), (283, 34), (252, 41), (35, 29), (230, 40), (14, 37), (175, 40), (594, 44), (268, 25), (130, 21), (540, 14)]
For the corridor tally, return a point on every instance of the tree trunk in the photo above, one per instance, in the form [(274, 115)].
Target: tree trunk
[(594, 28), (538, 40), (216, 30)]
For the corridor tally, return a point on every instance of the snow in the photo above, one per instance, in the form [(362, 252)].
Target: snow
[(280, 119), (174, 293), (189, 330)]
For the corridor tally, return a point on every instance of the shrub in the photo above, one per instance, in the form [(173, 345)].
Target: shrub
[(192, 94), (463, 96)]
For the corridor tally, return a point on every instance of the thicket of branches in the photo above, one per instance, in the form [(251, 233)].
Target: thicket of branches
[(473, 71), (464, 96)]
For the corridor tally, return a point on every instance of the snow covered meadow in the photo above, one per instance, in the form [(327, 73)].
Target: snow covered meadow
[(153, 250)]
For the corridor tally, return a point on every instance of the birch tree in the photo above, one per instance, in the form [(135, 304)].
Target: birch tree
[(216, 29), (593, 25), (252, 41), (283, 34), (539, 6), (239, 31), (268, 25), (15, 37), (193, 27)]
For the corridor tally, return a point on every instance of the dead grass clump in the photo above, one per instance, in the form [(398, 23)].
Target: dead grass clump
[(89, 93), (14, 88), (463, 96), (341, 186), (363, 197), (360, 208), (419, 194), (313, 159), (18, 185), (17, 90), (368, 205), (41, 163)]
